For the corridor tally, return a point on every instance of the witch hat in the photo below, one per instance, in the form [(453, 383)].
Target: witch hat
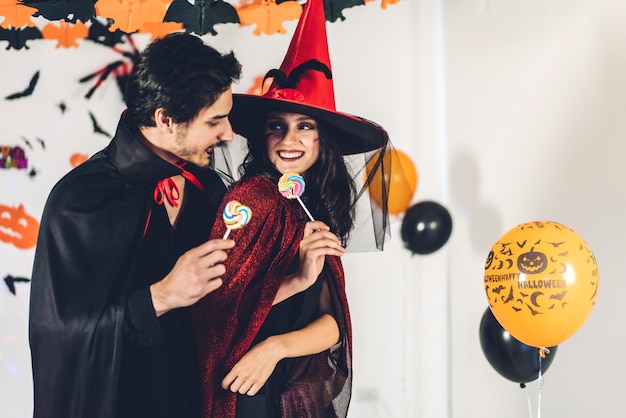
[(304, 84)]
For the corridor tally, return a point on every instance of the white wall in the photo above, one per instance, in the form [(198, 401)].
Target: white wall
[(536, 96), (511, 112)]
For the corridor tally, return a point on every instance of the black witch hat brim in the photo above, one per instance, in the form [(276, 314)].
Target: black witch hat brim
[(357, 135)]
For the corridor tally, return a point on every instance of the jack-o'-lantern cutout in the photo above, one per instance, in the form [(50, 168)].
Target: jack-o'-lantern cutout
[(541, 282), (17, 227)]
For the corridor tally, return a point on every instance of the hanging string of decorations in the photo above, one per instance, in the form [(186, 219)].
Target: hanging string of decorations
[(107, 21)]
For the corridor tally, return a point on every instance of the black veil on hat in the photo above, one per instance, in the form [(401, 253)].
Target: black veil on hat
[(304, 84)]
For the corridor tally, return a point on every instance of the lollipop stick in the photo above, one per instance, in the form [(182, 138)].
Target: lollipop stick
[(305, 209), (226, 234)]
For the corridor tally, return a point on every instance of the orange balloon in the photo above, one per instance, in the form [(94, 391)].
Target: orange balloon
[(402, 178), (541, 282)]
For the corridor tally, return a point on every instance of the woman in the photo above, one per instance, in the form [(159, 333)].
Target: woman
[(275, 340)]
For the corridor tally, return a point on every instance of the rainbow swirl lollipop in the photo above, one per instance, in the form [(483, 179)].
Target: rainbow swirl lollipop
[(291, 185), (236, 216)]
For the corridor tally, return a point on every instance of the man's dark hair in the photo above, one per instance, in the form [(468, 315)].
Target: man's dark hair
[(181, 74)]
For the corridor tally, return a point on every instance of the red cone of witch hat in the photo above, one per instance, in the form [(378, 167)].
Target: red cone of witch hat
[(304, 84), (309, 42)]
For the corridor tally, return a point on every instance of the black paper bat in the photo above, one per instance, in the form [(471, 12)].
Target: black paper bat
[(10, 282), (18, 37), (333, 8), (27, 142), (96, 127), (200, 17), (68, 10), (26, 92), (30, 145), (99, 33)]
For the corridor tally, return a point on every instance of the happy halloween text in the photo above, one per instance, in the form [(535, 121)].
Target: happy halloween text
[(525, 284), (12, 157)]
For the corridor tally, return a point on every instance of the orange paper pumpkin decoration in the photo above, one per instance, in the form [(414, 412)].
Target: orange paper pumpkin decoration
[(541, 282), (17, 227), (402, 181), (77, 159)]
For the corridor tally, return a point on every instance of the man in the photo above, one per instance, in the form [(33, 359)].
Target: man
[(123, 248)]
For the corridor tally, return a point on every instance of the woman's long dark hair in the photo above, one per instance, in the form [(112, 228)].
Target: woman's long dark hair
[(329, 189)]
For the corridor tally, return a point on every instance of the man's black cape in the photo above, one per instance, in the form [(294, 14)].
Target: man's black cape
[(90, 232)]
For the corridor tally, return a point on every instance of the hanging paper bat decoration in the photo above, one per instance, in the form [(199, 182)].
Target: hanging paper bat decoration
[(18, 37), (67, 10), (26, 92), (15, 14), (96, 127), (130, 16), (269, 16), (100, 34), (160, 29), (66, 34), (200, 17), (333, 9), (10, 282)]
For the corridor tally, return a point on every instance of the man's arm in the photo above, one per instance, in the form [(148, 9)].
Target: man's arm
[(196, 273)]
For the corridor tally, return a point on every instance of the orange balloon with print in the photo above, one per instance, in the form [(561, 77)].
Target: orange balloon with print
[(402, 180), (541, 282)]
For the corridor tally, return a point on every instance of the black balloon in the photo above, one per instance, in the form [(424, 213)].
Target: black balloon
[(426, 227), (510, 357)]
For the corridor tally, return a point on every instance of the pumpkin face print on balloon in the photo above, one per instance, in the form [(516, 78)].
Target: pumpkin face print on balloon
[(532, 262), (541, 282), (17, 227)]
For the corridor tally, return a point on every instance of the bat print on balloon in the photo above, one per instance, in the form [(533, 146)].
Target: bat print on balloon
[(541, 282), (534, 276)]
